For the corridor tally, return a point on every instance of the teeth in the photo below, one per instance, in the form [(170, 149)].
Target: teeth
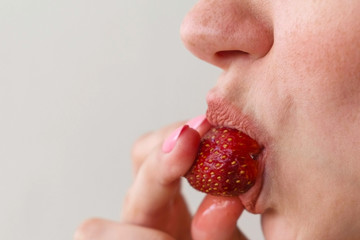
[(255, 156)]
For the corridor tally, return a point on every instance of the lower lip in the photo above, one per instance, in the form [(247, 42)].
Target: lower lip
[(250, 198)]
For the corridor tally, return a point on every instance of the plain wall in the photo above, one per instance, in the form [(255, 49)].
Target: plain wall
[(80, 81)]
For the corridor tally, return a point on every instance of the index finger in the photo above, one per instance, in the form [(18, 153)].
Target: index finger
[(157, 182), (146, 143)]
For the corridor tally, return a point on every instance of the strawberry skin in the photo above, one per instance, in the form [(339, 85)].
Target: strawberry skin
[(226, 163)]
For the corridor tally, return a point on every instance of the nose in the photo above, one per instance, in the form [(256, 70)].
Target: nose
[(221, 31)]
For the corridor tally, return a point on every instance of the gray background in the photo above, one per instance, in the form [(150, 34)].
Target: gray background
[(79, 82)]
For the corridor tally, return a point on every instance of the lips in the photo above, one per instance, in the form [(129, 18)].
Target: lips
[(223, 113)]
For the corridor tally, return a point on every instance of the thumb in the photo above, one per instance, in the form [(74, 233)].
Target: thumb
[(216, 219)]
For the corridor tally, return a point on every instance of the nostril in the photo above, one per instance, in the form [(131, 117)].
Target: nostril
[(225, 58), (230, 54)]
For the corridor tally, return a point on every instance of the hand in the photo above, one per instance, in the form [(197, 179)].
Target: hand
[(154, 207)]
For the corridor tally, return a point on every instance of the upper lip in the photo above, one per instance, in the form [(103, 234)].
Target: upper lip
[(221, 112)]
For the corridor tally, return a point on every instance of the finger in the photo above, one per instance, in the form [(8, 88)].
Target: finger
[(157, 183), (216, 218), (200, 124), (101, 229), (146, 143)]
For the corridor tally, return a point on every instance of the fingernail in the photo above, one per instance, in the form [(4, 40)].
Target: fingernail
[(196, 122), (170, 142)]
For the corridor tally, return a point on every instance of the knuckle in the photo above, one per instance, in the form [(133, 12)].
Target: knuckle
[(147, 143), (137, 148), (89, 229), (142, 148), (127, 204)]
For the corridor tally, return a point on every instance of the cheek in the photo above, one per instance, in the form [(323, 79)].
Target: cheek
[(316, 77), (314, 115), (319, 57), (317, 65)]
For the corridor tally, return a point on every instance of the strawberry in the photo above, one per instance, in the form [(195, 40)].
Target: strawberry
[(226, 163)]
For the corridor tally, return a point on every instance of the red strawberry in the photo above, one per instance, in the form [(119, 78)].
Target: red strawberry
[(226, 163)]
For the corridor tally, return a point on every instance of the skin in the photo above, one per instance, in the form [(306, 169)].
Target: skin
[(292, 67)]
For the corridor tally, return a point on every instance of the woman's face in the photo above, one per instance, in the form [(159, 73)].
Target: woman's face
[(291, 80)]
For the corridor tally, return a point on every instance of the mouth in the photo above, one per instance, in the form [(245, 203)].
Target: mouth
[(222, 113)]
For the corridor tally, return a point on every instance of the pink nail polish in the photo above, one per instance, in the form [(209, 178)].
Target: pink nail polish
[(196, 122), (170, 142)]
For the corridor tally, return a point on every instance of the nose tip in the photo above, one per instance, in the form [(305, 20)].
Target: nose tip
[(220, 31)]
